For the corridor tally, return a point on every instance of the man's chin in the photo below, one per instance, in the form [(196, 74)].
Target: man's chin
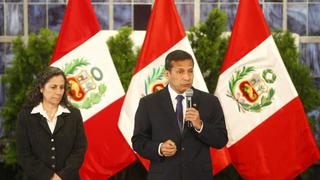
[(185, 89)]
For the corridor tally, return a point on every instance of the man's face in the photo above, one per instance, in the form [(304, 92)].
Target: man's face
[(180, 77)]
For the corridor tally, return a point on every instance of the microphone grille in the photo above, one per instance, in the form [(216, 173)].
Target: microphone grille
[(189, 92)]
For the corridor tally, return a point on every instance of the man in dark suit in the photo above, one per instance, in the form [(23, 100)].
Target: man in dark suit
[(161, 134)]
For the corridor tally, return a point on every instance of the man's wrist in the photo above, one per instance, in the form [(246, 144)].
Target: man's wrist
[(159, 149), (201, 127)]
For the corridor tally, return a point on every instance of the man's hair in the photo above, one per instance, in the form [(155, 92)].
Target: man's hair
[(177, 55)]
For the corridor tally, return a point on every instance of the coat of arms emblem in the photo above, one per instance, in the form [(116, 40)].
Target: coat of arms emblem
[(84, 89), (250, 90), (155, 81)]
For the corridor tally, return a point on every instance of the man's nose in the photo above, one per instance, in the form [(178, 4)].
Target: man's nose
[(186, 76)]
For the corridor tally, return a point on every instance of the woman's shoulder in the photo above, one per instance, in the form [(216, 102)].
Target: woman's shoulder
[(72, 108), (25, 111), (73, 111)]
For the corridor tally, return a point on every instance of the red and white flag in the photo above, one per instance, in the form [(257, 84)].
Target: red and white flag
[(165, 33), (82, 53), (269, 135)]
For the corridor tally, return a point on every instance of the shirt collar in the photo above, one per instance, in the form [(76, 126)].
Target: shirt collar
[(39, 109), (173, 93)]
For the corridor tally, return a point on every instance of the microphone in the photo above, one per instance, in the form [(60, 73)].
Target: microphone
[(189, 94)]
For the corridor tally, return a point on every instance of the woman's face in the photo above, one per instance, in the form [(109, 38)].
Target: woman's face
[(53, 90)]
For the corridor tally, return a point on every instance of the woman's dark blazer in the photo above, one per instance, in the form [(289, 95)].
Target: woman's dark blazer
[(42, 153)]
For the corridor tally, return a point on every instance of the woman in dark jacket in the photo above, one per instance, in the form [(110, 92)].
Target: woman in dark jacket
[(50, 137)]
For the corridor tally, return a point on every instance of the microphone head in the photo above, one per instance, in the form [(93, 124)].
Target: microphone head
[(189, 92)]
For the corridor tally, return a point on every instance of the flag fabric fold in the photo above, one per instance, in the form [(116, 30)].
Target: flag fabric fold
[(165, 33), (269, 135), (95, 88)]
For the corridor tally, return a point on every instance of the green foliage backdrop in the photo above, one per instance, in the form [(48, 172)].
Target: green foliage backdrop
[(209, 46), (29, 58), (123, 54)]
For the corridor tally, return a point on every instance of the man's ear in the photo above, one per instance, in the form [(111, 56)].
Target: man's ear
[(166, 74)]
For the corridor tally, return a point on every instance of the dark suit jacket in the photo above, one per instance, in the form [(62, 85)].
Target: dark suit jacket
[(156, 122), (41, 153)]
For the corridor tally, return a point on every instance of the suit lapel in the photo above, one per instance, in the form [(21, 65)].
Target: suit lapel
[(195, 99), (60, 122), (167, 105), (43, 122)]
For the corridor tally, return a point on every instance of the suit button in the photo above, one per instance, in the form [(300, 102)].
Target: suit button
[(53, 157), (182, 149), (53, 166), (53, 148), (52, 139)]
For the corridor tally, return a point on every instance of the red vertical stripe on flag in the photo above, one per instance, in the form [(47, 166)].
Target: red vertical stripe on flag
[(280, 148), (164, 30), (108, 152), (247, 33), (79, 24), (220, 159)]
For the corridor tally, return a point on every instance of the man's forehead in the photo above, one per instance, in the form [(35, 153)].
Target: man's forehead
[(182, 62), (183, 67)]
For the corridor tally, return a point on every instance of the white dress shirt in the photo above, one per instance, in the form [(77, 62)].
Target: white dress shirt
[(51, 123)]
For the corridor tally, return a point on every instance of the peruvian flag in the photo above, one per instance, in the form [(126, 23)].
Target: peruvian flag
[(95, 88), (269, 135), (165, 33)]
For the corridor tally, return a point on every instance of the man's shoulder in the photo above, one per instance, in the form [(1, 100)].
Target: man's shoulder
[(205, 95), (155, 96), (202, 93)]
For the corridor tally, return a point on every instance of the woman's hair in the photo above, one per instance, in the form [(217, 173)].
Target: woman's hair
[(35, 96)]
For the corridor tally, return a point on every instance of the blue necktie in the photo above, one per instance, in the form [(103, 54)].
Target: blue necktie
[(179, 112)]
